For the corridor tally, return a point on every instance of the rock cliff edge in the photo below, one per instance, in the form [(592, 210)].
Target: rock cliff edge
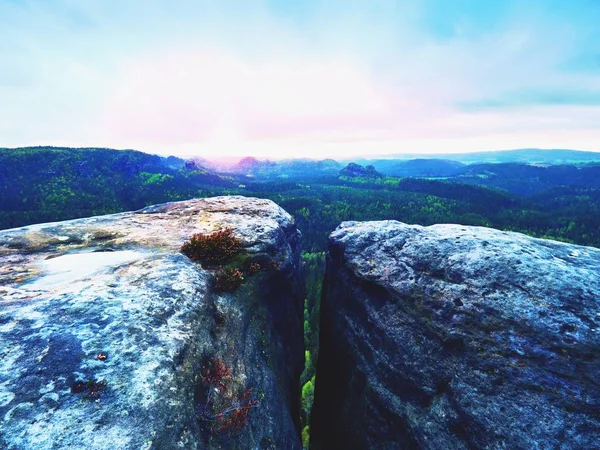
[(106, 330), (452, 337)]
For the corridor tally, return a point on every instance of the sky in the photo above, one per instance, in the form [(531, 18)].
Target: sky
[(313, 78)]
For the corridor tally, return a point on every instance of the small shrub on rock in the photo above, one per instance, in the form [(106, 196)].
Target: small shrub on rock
[(235, 416), (216, 248), (229, 279), (215, 373)]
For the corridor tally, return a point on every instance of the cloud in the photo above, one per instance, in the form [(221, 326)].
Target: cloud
[(235, 76), (537, 97), (203, 89)]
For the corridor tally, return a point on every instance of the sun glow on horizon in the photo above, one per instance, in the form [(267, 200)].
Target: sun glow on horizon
[(225, 140)]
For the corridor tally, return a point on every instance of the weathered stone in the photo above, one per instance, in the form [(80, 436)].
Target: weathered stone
[(451, 337), (117, 286)]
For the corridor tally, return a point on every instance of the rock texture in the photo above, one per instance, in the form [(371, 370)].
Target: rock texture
[(117, 286), (451, 337)]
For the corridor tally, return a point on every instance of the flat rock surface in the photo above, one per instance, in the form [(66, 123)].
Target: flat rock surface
[(455, 337), (117, 286)]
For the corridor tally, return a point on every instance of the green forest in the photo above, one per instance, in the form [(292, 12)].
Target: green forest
[(45, 184)]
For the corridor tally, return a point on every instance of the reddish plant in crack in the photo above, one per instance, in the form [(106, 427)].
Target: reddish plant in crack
[(236, 416), (215, 374), (224, 408)]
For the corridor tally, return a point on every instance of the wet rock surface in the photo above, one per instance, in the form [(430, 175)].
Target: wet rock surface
[(452, 337), (105, 326)]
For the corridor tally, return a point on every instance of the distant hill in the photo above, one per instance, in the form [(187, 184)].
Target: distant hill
[(527, 179), (135, 156), (293, 168), (40, 184), (253, 166), (308, 166), (528, 155), (417, 168), (353, 170), (517, 178)]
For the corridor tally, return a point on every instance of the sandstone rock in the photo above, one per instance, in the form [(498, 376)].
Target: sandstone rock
[(452, 337), (104, 327)]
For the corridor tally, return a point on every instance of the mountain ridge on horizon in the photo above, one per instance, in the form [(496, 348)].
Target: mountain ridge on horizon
[(561, 201), (523, 155)]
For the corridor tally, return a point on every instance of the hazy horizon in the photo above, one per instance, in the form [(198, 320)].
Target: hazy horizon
[(313, 79), (233, 159)]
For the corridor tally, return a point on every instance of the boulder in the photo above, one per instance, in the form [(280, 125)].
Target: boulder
[(455, 337), (108, 332)]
